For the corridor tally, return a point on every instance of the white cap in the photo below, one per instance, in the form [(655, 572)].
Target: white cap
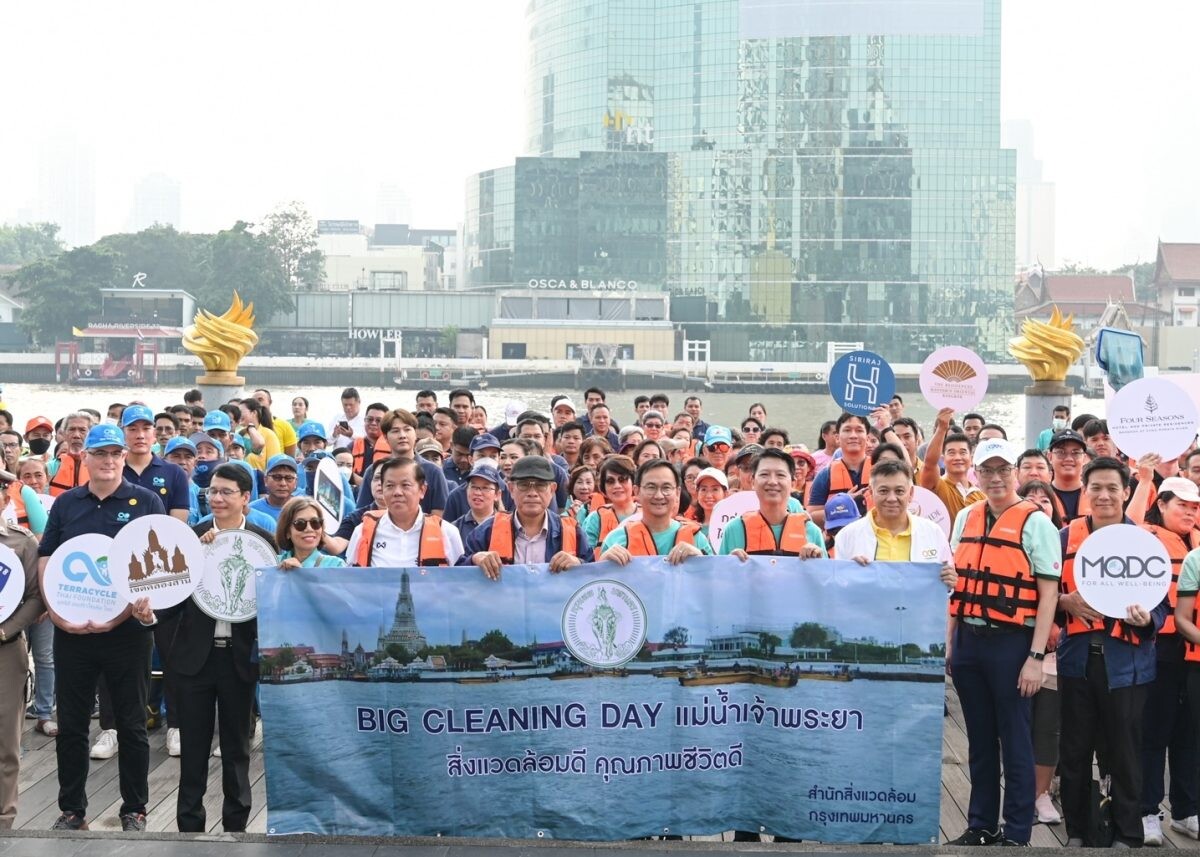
[(996, 448), (713, 473), (512, 411), (1184, 489), (564, 402)]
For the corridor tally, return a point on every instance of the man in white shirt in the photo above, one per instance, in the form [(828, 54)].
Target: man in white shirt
[(350, 424), (403, 536)]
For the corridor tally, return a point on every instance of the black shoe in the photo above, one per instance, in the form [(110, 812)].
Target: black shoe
[(1012, 843), (133, 821), (977, 836), (70, 821)]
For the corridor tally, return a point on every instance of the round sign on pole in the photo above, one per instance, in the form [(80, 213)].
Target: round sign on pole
[(225, 588), (12, 582), (157, 557), (733, 506), (329, 493), (861, 381), (926, 504), (77, 585), (1120, 565), (1152, 415), (954, 377)]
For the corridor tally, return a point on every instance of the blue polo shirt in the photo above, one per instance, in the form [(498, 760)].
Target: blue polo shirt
[(454, 476), (263, 505), (165, 479)]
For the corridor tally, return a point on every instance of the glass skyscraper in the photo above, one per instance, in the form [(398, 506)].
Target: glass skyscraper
[(793, 172)]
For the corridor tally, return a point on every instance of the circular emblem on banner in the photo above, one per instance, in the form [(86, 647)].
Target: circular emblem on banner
[(328, 492), (604, 624), (1152, 415), (225, 588), (861, 381), (1121, 565), (12, 582), (156, 556), (954, 377), (925, 504), (77, 585)]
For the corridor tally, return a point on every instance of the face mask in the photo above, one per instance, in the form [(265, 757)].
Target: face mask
[(39, 446), (1058, 424), (345, 470), (110, 421)]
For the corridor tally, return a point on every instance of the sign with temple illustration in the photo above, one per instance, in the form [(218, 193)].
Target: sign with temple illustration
[(158, 557)]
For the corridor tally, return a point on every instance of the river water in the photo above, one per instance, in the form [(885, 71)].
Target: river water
[(801, 415)]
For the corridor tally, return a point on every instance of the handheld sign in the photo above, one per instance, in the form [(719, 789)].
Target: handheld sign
[(77, 585), (156, 556), (12, 582), (926, 504), (861, 381), (1119, 565), (329, 493), (954, 377), (731, 507), (1152, 415), (226, 585)]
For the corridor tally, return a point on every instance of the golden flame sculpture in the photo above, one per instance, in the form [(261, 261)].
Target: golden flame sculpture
[(221, 341), (1047, 349)]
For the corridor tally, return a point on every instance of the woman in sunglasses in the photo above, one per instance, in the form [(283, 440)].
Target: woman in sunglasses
[(299, 534)]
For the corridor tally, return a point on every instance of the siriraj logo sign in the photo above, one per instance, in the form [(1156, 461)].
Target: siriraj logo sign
[(1121, 565)]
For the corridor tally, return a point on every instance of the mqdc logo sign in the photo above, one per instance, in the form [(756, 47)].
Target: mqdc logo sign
[(1121, 565)]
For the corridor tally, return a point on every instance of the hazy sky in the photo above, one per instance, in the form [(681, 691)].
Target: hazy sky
[(252, 104)]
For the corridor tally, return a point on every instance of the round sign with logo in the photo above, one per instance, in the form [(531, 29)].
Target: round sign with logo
[(1152, 415), (861, 381), (12, 582), (77, 585), (926, 504), (329, 493), (954, 377), (156, 556), (733, 506), (225, 588), (604, 624), (1119, 565)]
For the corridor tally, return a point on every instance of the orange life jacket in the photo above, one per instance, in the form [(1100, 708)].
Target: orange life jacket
[(841, 483), (1177, 549), (379, 452), (760, 538), (431, 552), (1081, 511), (71, 474), (504, 536), (608, 521), (640, 541), (995, 581), (597, 500), (1078, 530), (14, 497)]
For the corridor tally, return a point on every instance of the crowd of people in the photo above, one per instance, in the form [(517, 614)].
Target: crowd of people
[(1046, 683)]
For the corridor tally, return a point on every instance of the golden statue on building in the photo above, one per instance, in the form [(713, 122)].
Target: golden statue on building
[(1047, 349)]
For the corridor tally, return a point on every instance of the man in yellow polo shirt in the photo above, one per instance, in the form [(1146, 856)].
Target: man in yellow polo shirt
[(889, 533), (954, 448)]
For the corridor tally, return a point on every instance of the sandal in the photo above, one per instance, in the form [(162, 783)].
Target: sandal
[(48, 728)]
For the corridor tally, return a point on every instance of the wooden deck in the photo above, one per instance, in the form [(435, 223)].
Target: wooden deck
[(38, 806)]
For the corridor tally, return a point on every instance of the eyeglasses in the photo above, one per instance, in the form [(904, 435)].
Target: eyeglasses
[(106, 453), (303, 524), (718, 447), (653, 490), (373, 420), (223, 492), (617, 480), (989, 472), (751, 430), (10, 445), (482, 489), (282, 477), (1067, 453), (652, 425)]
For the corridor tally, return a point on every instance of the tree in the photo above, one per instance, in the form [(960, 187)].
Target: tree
[(242, 261), (448, 340), (292, 236), (169, 259), (397, 651), (63, 292), (677, 637), (809, 635), (495, 642), (1143, 278), (285, 657), (767, 642), (28, 242)]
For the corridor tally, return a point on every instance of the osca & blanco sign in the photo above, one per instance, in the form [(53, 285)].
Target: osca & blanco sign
[(1120, 565)]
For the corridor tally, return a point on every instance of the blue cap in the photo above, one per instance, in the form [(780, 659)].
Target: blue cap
[(136, 413), (315, 457), (840, 509), (242, 441), (487, 440), (200, 437), (487, 470), (717, 434), (179, 442), (104, 435), (311, 428), (281, 460), (217, 420)]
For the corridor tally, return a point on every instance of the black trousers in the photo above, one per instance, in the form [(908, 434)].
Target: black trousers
[(122, 658), (1094, 714), (1167, 735), (217, 684)]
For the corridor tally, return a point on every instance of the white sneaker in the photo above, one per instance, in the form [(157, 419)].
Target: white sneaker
[(1046, 813), (174, 747), (1189, 826), (1151, 830), (106, 745)]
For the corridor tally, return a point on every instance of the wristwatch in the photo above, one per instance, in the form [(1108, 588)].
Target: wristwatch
[(1037, 656)]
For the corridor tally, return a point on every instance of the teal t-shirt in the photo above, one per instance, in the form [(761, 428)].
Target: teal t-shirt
[(591, 525), (316, 559), (663, 542), (1189, 575), (734, 537)]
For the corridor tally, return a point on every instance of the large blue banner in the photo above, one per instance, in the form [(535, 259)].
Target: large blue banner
[(802, 699)]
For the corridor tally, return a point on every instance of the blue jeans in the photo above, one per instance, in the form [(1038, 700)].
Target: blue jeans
[(41, 643)]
